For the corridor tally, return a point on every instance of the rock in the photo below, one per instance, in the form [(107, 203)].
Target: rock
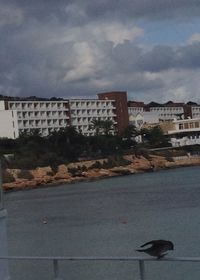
[(62, 173), (41, 172), (122, 170), (45, 175)]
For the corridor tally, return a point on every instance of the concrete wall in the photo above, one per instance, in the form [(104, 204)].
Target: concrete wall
[(8, 124), (2, 105)]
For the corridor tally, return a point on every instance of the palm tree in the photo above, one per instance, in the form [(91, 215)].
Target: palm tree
[(96, 124), (130, 132), (128, 135), (102, 127), (107, 127)]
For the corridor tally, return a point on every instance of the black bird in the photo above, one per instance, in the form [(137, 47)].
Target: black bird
[(158, 248)]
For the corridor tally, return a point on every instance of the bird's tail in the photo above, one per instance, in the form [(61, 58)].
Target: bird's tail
[(140, 250)]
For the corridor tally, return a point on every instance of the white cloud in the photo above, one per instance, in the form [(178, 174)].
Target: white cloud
[(116, 32), (88, 48), (84, 61), (194, 38)]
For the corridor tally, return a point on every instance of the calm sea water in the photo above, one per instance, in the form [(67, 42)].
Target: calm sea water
[(111, 217)]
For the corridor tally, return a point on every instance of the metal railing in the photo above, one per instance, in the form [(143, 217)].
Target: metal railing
[(141, 261)]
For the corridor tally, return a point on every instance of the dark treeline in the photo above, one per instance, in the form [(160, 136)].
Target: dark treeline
[(68, 145)]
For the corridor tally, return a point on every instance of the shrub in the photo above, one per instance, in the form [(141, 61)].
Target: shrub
[(25, 174), (144, 153), (84, 168), (74, 171), (96, 165), (7, 177)]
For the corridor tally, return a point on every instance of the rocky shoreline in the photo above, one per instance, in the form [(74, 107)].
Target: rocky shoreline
[(84, 171)]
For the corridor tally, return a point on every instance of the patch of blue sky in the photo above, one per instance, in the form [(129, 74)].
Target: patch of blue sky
[(168, 32)]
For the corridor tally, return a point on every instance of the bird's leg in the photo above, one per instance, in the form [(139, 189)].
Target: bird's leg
[(161, 256)]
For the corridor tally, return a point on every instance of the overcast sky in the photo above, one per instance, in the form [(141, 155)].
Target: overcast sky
[(71, 49)]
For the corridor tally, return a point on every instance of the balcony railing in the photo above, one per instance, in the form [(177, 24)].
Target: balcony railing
[(141, 261)]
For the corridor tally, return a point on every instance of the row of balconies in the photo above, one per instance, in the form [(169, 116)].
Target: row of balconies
[(40, 109), (41, 116), (173, 115), (85, 123), (37, 106), (92, 115), (195, 115), (161, 109), (100, 106), (42, 124), (76, 111), (135, 109), (196, 109)]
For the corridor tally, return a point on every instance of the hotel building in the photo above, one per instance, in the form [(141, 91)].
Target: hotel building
[(46, 116), (83, 111), (18, 116)]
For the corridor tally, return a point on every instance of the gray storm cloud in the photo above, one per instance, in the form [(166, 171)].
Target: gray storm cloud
[(80, 48)]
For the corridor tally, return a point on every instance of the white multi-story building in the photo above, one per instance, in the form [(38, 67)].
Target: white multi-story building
[(195, 110), (167, 113), (46, 116), (84, 111), (135, 110)]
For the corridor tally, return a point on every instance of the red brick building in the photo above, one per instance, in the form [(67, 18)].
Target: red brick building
[(120, 98)]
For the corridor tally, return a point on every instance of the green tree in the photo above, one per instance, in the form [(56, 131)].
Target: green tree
[(102, 127), (96, 124), (107, 127), (154, 136)]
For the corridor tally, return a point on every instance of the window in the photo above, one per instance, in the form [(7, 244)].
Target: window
[(186, 126), (191, 125), (180, 126)]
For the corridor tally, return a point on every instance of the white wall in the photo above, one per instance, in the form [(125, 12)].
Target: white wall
[(138, 119), (2, 105), (8, 124), (151, 117)]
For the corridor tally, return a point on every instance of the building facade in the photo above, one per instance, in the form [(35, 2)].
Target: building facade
[(183, 132), (84, 111), (121, 108), (46, 116), (9, 124), (18, 116), (165, 112), (142, 118)]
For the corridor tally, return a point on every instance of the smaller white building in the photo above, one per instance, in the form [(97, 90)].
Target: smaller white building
[(184, 132), (140, 118)]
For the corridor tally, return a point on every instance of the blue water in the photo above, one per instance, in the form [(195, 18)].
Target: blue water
[(111, 217)]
